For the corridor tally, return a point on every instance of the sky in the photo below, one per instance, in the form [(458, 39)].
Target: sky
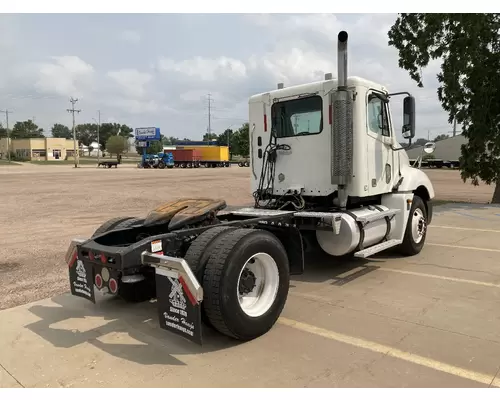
[(158, 69)]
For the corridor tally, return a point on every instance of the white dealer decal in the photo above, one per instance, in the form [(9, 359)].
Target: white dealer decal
[(80, 269), (177, 298)]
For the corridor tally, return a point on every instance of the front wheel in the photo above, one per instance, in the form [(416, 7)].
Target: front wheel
[(246, 282), (416, 228)]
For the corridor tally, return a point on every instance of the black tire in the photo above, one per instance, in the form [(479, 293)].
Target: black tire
[(199, 252), (201, 248), (240, 164), (110, 225), (247, 164), (220, 283), (161, 165), (410, 247)]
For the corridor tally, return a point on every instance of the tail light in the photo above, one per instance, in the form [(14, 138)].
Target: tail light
[(98, 281), (104, 259), (113, 285), (91, 256)]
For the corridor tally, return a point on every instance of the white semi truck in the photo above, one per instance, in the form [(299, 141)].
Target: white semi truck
[(326, 169)]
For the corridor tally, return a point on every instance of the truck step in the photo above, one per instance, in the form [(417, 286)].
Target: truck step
[(369, 251), (259, 212), (377, 216)]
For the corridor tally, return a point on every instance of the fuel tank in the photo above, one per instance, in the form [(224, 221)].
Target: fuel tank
[(354, 235)]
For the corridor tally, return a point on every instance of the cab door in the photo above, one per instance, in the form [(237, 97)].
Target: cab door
[(381, 168)]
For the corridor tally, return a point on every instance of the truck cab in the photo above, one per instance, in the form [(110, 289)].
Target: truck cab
[(302, 119)]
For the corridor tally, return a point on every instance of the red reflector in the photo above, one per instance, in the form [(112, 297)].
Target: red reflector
[(104, 259), (330, 114), (98, 281), (265, 123), (91, 256), (190, 296), (73, 259), (113, 285)]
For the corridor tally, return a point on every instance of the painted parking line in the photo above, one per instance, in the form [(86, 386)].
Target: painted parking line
[(464, 229), (446, 278), (453, 246), (392, 352)]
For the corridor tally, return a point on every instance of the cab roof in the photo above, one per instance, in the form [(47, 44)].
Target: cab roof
[(315, 86)]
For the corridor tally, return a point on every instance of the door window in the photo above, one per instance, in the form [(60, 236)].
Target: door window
[(377, 116)]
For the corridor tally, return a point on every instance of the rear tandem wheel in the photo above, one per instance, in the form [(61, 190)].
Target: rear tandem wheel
[(245, 283), (199, 252)]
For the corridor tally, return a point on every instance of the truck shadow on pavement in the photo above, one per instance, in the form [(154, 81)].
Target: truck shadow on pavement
[(321, 267), (124, 330)]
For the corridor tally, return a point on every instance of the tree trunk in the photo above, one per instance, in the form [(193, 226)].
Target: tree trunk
[(496, 194)]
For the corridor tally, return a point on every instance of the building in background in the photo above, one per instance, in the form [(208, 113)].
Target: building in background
[(446, 149), (38, 149), (92, 150)]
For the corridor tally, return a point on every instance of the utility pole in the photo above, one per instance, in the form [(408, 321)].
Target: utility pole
[(209, 114), (72, 110), (98, 128), (7, 112), (454, 127)]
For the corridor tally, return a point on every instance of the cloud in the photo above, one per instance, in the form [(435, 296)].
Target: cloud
[(65, 76), (130, 36), (205, 69), (130, 81), (165, 82)]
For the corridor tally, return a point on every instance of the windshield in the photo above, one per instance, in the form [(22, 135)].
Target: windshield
[(298, 117)]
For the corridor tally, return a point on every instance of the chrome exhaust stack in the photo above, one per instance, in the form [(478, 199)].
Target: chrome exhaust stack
[(342, 127)]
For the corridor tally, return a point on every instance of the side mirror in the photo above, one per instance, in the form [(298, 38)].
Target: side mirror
[(408, 117), (429, 147)]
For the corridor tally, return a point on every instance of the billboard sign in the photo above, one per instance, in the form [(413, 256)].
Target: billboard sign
[(147, 134)]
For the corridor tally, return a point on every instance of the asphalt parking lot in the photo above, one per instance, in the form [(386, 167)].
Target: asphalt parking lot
[(427, 321)]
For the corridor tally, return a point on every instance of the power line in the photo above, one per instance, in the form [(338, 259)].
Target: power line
[(72, 111), (7, 112)]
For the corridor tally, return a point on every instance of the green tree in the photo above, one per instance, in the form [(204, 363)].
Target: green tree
[(469, 47), (154, 148), (169, 141), (61, 131), (3, 131), (241, 142), (26, 129), (209, 136), (117, 145), (86, 133), (109, 129), (441, 137)]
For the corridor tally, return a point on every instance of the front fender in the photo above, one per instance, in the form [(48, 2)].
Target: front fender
[(414, 179)]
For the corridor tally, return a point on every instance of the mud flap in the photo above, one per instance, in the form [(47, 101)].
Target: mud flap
[(81, 280), (81, 276), (178, 311)]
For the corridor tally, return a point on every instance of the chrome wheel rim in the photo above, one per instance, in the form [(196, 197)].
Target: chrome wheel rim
[(418, 225), (258, 284)]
